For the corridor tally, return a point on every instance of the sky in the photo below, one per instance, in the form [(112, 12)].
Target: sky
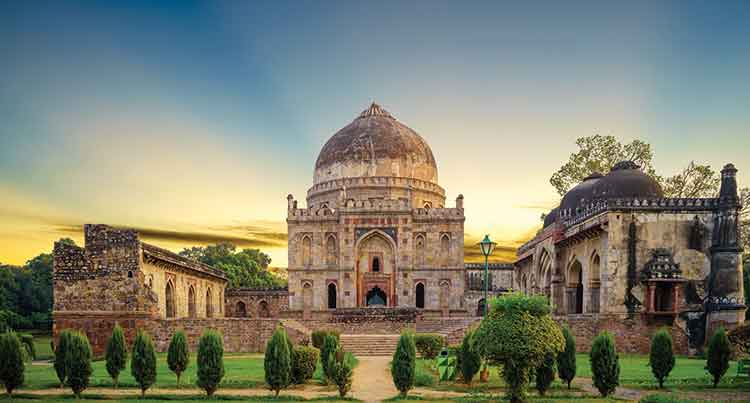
[(192, 121)]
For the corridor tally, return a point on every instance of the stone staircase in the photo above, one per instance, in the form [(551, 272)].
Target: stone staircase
[(370, 344), (452, 328)]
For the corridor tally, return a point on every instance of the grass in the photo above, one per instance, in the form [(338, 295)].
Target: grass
[(43, 347), (169, 398)]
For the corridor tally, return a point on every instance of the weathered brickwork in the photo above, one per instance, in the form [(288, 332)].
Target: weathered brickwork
[(256, 303)]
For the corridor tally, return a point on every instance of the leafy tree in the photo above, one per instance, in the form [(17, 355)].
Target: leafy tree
[(79, 369), (210, 361), (245, 268), (143, 362), (116, 354), (330, 345), (517, 335), (469, 358), (545, 374), (304, 360), (277, 361), (719, 352), (566, 359), (178, 354), (661, 358), (11, 356), (62, 356), (599, 153), (429, 344), (605, 364), (341, 373), (403, 366)]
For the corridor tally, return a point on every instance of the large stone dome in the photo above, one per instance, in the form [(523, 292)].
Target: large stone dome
[(375, 144)]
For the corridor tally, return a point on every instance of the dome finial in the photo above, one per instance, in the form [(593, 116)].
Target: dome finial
[(374, 110)]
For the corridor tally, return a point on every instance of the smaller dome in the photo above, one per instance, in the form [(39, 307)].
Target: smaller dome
[(580, 192), (550, 218), (627, 180)]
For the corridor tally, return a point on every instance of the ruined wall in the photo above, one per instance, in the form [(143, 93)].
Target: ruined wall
[(256, 303), (156, 278)]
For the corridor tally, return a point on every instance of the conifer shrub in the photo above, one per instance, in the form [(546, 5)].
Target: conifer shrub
[(545, 374), (143, 361), (304, 360), (566, 359), (61, 356), (605, 364), (718, 353), (277, 362), (116, 354), (468, 359), (210, 361), (79, 363), (661, 357), (429, 344), (403, 365), (319, 336), (341, 373), (330, 345), (12, 367), (178, 354), (27, 341), (517, 335)]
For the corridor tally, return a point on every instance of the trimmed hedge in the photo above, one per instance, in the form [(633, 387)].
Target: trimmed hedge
[(79, 364), (429, 344), (403, 366), (178, 354), (277, 361), (605, 364), (210, 361), (661, 357), (116, 353), (143, 362), (304, 360)]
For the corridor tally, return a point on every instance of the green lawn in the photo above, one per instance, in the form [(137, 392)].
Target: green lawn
[(43, 348), (170, 398)]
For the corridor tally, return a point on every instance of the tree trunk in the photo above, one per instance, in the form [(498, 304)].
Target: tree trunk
[(116, 382), (178, 380)]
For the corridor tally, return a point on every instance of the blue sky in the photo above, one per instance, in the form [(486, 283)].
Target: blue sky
[(199, 117)]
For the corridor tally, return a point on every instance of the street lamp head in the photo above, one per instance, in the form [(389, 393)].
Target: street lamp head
[(487, 246)]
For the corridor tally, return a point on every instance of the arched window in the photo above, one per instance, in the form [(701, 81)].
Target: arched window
[(191, 302), (331, 296), (263, 310), (240, 310), (420, 295), (419, 245), (575, 288), (331, 250), (169, 298), (594, 284), (376, 264), (209, 304), (306, 251)]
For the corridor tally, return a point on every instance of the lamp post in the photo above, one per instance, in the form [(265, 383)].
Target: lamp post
[(487, 247)]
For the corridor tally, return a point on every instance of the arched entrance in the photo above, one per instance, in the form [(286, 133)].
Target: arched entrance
[(191, 302), (376, 297), (209, 304), (169, 299), (419, 293), (240, 310), (332, 296), (263, 311), (376, 268), (575, 288)]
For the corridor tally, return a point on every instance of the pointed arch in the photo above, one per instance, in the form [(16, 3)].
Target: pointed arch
[(240, 310), (594, 283), (263, 311), (419, 295), (575, 287), (331, 250), (419, 247), (306, 250), (209, 303), (170, 308), (332, 295), (191, 302)]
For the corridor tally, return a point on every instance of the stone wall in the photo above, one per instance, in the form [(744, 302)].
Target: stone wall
[(256, 303), (360, 321)]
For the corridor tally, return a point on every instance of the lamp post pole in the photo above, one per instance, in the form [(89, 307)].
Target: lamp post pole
[(486, 269), (487, 246)]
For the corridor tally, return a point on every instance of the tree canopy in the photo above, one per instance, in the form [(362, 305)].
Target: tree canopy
[(244, 268)]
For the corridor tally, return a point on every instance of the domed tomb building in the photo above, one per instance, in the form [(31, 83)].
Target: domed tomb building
[(375, 230), (617, 255)]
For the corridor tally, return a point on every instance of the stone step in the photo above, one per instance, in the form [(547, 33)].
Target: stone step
[(370, 345)]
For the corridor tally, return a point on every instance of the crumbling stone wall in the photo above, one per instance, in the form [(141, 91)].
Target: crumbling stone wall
[(256, 303)]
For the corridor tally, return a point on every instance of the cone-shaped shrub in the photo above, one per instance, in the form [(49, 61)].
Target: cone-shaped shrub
[(566, 360), (545, 374), (330, 345), (27, 342), (304, 360), (277, 363), (403, 366), (143, 362), (79, 363), (210, 361), (341, 373), (11, 357), (61, 356), (178, 355), (661, 357), (719, 351), (116, 354), (469, 360), (605, 364)]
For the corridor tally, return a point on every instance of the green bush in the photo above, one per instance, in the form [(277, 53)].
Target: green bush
[(116, 354), (210, 361), (143, 361), (341, 373), (566, 359), (429, 344), (178, 354), (468, 360), (27, 341), (11, 356), (661, 357), (319, 336), (719, 351), (61, 356), (545, 374), (79, 363), (605, 364), (403, 366), (517, 335), (330, 345), (304, 360), (277, 362)]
